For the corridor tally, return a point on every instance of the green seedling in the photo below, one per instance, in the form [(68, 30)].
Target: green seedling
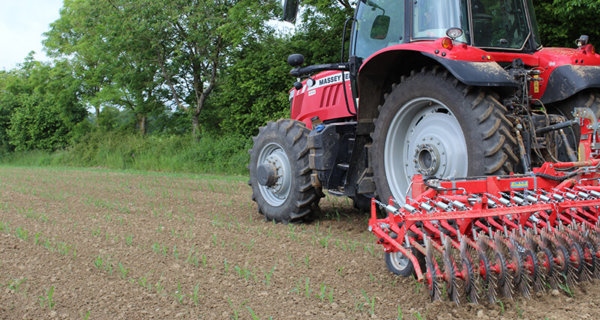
[(307, 289), (235, 312), (124, 271), (196, 296), (99, 262), (15, 284), (252, 314), (370, 302), (179, 296), (566, 289), (21, 233), (268, 275), (129, 240), (399, 313), (48, 299)]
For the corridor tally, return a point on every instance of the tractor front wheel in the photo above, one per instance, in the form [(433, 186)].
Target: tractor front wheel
[(280, 174), (431, 124)]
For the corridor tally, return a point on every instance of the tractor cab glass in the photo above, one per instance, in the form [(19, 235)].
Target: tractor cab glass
[(432, 18), (500, 24), (380, 24), (505, 24)]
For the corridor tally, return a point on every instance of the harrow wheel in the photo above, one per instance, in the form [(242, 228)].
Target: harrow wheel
[(532, 270), (546, 263), (399, 264), (590, 259), (577, 261), (503, 276), (432, 282), (563, 263), (450, 274), (469, 280), (487, 278), (519, 278)]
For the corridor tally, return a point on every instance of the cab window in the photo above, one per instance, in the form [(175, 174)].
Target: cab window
[(380, 24)]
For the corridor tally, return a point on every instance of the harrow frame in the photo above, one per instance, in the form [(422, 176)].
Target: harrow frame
[(501, 233)]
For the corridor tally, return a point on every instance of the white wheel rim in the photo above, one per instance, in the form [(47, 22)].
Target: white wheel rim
[(424, 138), (275, 155)]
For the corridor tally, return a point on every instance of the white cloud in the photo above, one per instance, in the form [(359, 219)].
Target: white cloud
[(22, 23)]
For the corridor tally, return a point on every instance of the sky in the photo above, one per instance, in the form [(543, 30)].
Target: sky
[(22, 23)]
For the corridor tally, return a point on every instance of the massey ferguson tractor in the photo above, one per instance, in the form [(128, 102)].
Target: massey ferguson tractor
[(476, 149)]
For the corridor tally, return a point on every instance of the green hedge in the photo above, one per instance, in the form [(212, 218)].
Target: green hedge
[(209, 154)]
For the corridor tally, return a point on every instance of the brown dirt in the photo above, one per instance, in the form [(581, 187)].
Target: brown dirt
[(117, 245)]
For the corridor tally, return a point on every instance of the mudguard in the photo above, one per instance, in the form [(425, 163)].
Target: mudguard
[(567, 80), (474, 73)]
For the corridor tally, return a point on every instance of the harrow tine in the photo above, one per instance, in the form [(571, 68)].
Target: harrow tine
[(450, 273), (434, 292), (504, 278), (520, 277), (470, 288), (534, 266), (487, 278), (577, 261), (590, 263)]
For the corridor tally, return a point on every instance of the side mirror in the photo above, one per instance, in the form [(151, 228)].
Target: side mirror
[(290, 10), (295, 60), (380, 27)]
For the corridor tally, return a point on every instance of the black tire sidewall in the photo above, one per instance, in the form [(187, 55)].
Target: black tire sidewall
[(275, 132), (419, 86)]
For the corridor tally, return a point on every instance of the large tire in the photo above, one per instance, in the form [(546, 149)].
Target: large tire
[(280, 174), (588, 99), (433, 125)]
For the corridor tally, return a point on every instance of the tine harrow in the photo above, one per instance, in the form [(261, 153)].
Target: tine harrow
[(514, 233), (500, 235)]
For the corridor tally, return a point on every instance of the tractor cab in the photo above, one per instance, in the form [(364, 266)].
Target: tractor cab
[(508, 25)]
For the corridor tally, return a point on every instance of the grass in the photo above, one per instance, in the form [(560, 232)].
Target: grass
[(175, 154)]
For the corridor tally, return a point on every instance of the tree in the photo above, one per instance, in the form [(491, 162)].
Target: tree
[(195, 40), (562, 21), (111, 54), (44, 106)]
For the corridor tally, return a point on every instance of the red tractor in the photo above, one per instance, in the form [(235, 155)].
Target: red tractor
[(442, 89)]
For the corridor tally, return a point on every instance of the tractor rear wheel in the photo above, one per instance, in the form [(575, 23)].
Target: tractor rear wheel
[(588, 99), (280, 174), (433, 125)]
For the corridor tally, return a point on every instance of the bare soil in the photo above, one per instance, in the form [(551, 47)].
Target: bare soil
[(99, 244)]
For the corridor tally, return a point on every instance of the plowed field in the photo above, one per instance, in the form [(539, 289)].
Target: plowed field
[(100, 244)]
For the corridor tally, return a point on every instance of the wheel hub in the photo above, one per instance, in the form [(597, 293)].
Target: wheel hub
[(274, 174), (427, 158), (266, 174)]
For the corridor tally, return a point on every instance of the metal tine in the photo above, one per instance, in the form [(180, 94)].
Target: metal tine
[(450, 272), (435, 293), (506, 281), (470, 288), (532, 245), (521, 279), (488, 284)]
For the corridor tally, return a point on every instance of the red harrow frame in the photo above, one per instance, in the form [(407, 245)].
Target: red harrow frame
[(485, 235)]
